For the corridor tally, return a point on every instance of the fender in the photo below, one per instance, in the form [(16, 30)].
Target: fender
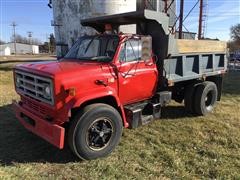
[(97, 93)]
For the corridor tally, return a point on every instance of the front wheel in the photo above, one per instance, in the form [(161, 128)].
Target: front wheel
[(95, 131)]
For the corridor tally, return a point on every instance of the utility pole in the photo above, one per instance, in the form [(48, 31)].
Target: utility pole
[(30, 40), (30, 37), (49, 44), (165, 6), (158, 6), (200, 20), (181, 19), (14, 36)]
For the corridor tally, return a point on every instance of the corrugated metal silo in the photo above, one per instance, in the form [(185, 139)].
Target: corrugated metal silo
[(67, 15)]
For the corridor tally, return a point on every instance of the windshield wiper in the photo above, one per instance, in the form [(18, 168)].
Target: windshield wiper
[(102, 58)]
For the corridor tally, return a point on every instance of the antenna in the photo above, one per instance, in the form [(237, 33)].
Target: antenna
[(14, 25)]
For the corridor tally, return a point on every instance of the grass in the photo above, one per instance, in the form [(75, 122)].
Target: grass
[(178, 146)]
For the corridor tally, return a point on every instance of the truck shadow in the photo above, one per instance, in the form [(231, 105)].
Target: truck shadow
[(175, 112), (17, 145)]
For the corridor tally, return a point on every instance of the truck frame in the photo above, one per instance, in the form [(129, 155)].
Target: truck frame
[(87, 100)]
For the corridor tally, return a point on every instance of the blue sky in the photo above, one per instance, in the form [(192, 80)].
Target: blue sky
[(35, 16), (222, 14), (30, 15)]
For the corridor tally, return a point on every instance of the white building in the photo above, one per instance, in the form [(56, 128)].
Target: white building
[(9, 48), (67, 16)]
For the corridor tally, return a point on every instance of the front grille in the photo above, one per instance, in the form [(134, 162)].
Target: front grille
[(41, 110), (33, 86)]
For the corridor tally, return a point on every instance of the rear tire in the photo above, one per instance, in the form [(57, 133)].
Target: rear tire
[(95, 131), (189, 97), (205, 98)]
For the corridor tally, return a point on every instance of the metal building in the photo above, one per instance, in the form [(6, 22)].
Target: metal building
[(67, 15), (9, 48), (186, 35)]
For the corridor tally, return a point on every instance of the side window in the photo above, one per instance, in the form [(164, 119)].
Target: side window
[(111, 47), (131, 51)]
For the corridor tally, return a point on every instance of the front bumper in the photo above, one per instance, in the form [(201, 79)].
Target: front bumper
[(52, 133)]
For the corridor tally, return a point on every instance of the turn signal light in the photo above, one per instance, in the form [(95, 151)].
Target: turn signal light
[(72, 92)]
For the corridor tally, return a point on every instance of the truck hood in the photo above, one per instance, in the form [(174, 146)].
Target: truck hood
[(54, 68)]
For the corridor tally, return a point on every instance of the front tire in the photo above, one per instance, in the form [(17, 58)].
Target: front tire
[(95, 131)]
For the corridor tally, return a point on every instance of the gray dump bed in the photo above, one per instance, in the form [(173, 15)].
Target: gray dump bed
[(194, 66)]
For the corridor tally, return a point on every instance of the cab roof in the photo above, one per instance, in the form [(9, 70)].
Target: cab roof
[(135, 17)]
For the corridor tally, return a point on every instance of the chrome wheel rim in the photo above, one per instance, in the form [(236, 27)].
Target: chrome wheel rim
[(208, 100)]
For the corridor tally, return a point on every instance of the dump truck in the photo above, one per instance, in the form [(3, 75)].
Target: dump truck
[(111, 80)]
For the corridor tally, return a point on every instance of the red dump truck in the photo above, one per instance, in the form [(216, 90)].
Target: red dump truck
[(110, 81)]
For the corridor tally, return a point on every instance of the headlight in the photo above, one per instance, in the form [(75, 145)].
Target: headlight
[(18, 81), (47, 91)]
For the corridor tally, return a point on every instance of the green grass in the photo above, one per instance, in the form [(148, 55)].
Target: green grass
[(178, 146)]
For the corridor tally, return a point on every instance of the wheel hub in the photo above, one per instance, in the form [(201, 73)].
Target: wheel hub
[(99, 134)]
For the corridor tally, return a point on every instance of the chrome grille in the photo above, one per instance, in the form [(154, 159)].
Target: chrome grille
[(33, 86)]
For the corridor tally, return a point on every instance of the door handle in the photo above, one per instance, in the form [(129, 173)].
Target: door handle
[(149, 64), (101, 82)]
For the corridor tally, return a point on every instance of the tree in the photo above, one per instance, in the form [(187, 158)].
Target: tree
[(44, 48), (235, 33), (20, 39), (52, 42), (234, 44), (1, 42)]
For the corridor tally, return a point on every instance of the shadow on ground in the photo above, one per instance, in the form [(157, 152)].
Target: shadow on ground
[(17, 145), (231, 83), (6, 68), (175, 112)]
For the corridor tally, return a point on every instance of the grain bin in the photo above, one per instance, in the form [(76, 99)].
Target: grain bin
[(67, 15)]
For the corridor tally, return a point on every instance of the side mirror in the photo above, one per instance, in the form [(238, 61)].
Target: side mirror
[(146, 47)]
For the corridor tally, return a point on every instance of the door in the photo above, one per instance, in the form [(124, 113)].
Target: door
[(137, 78)]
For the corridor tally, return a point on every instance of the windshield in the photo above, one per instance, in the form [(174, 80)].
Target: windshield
[(95, 48)]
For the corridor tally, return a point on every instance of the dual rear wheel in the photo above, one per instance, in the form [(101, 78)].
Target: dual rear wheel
[(201, 98)]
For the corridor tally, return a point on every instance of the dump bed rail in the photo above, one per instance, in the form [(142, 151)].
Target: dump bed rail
[(193, 66)]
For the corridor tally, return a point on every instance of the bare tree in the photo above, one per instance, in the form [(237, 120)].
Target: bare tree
[(21, 39), (235, 33), (1, 42), (52, 45), (234, 44)]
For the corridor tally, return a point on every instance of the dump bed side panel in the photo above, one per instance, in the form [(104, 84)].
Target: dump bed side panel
[(191, 66)]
